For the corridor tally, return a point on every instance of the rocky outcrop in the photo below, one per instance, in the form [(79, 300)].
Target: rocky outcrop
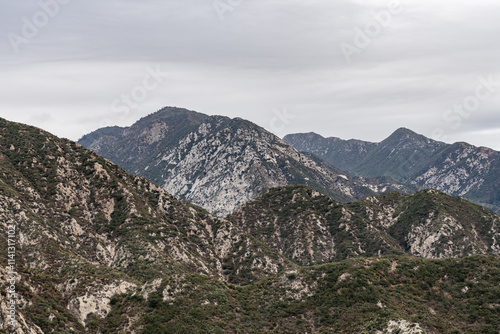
[(402, 327)]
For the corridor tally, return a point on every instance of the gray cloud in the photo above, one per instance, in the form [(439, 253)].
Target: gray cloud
[(264, 56)]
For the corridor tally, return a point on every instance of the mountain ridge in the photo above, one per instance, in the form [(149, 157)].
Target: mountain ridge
[(310, 228), (458, 169), (220, 163)]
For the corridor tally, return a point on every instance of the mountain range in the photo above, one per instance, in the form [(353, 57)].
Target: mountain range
[(99, 250), (413, 160), (221, 163)]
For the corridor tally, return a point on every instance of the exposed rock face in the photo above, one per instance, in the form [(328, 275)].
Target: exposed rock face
[(402, 327), (309, 228), (96, 300), (459, 169), (220, 163)]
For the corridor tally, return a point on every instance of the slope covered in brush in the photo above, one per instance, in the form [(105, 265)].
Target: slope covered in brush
[(86, 230), (308, 227)]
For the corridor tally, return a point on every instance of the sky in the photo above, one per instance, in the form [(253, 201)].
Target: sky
[(349, 69)]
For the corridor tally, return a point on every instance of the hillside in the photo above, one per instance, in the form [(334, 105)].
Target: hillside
[(221, 163), (309, 228), (372, 295), (101, 251), (457, 169), (87, 230)]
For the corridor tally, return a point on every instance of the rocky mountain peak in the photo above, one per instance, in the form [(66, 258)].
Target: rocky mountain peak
[(220, 163), (168, 113), (404, 138)]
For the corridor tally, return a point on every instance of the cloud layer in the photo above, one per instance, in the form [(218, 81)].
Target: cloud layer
[(73, 66)]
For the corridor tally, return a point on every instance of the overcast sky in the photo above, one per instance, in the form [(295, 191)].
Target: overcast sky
[(344, 68)]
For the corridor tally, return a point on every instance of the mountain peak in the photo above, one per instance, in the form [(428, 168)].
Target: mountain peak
[(406, 133), (296, 211), (404, 137), (405, 130), (169, 113), (218, 162)]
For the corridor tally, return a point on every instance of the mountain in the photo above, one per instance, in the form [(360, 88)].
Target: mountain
[(220, 163), (86, 230), (310, 228), (98, 250), (457, 169)]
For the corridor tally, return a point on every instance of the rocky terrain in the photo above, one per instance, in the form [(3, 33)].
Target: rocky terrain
[(99, 250), (310, 228), (87, 230), (220, 163), (457, 169)]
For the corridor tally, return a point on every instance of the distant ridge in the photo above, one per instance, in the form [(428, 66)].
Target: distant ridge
[(457, 169)]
